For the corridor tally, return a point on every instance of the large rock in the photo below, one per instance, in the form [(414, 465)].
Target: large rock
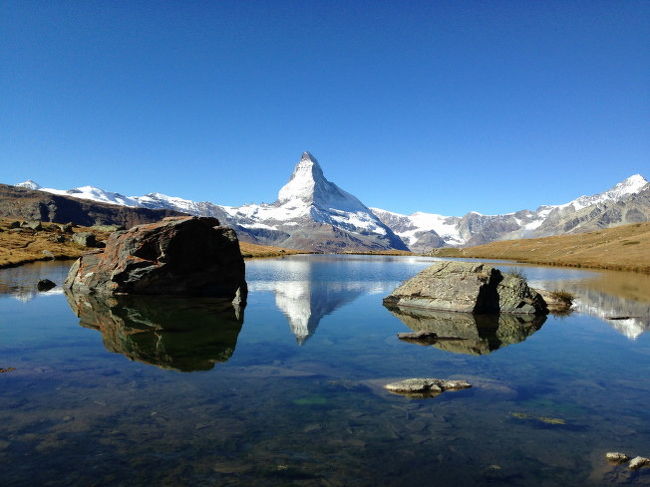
[(182, 256), (467, 287)]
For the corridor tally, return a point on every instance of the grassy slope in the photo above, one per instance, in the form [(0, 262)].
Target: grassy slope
[(249, 250), (24, 246), (622, 248)]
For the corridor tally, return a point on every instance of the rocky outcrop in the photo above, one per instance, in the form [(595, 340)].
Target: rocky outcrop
[(467, 287), (466, 333), (425, 386), (27, 204), (182, 256), (171, 332)]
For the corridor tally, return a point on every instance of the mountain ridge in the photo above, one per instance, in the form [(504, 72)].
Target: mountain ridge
[(313, 213)]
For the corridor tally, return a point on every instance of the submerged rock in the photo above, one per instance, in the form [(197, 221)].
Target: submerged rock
[(45, 285), (426, 386), (616, 457), (466, 333), (638, 462), (468, 287), (183, 256)]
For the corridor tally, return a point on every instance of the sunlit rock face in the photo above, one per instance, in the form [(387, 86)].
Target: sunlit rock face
[(467, 287), (172, 333), (469, 333)]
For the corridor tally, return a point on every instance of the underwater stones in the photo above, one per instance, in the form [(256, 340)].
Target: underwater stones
[(180, 256), (45, 285), (616, 457), (467, 287), (426, 386), (638, 462)]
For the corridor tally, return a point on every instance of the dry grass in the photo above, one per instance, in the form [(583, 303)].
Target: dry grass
[(378, 252), (24, 245), (624, 248), (250, 250)]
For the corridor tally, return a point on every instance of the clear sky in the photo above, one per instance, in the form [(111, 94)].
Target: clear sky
[(441, 106)]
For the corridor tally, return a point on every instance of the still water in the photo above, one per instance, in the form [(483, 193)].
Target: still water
[(289, 390)]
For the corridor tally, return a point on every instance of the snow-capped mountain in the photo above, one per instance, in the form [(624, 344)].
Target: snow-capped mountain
[(627, 202), (310, 213), (314, 213)]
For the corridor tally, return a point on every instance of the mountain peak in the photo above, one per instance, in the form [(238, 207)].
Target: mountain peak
[(305, 180), (632, 184), (29, 184)]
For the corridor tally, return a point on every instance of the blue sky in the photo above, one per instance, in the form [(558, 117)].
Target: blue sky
[(441, 106)]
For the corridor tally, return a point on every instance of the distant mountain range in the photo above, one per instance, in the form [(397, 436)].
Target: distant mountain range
[(314, 213)]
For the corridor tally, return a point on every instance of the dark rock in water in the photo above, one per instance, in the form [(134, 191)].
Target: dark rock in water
[(168, 332), (420, 337), (85, 239), (183, 256), (467, 287), (45, 285), (468, 333), (422, 387)]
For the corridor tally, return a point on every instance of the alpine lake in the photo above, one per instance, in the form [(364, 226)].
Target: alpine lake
[(289, 391)]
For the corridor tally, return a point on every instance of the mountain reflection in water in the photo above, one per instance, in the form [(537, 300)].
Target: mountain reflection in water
[(624, 296), (305, 292), (172, 333), (469, 333)]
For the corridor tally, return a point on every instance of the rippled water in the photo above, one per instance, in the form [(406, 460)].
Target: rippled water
[(289, 390)]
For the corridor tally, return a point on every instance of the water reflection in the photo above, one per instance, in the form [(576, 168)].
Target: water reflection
[(305, 290), (172, 333), (469, 333), (621, 299)]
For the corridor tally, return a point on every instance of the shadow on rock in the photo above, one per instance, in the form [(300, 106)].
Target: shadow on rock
[(171, 332), (465, 332)]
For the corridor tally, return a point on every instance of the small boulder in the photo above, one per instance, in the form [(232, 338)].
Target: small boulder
[(85, 239), (15, 224), (67, 228), (182, 256), (638, 462), (45, 285), (32, 225), (426, 386), (616, 457), (468, 287)]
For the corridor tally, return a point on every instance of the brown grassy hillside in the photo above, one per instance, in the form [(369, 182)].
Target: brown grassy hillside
[(21, 246), (623, 248), (249, 250)]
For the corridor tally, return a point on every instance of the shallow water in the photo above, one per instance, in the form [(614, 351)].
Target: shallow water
[(289, 392)]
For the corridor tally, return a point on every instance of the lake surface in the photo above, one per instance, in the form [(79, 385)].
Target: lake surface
[(290, 391)]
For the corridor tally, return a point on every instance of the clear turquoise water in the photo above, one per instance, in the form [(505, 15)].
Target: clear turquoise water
[(293, 395)]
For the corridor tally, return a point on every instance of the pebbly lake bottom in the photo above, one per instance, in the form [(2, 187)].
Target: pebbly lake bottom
[(290, 392)]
